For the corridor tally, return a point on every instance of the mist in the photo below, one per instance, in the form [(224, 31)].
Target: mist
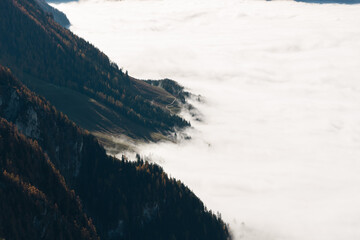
[(278, 150)]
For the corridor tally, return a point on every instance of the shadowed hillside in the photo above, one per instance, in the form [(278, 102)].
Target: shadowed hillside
[(79, 79), (35, 202), (126, 200), (58, 16)]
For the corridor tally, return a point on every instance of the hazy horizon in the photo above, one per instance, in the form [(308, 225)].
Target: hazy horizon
[(277, 153)]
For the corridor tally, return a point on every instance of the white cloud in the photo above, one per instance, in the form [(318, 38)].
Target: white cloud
[(279, 148)]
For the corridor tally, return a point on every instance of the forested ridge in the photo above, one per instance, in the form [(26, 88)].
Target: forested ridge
[(171, 87), (58, 16), (56, 180), (42, 53), (35, 202), (124, 200)]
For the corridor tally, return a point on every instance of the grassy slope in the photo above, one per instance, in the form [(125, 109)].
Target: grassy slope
[(126, 200), (59, 66)]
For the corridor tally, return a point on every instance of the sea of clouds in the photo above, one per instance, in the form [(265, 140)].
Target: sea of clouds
[(278, 151)]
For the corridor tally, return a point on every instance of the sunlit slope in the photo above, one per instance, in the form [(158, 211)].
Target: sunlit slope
[(125, 200), (55, 62), (279, 145)]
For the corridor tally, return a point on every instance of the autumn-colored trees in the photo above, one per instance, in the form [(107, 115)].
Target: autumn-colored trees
[(36, 48), (35, 202), (57, 176), (125, 200)]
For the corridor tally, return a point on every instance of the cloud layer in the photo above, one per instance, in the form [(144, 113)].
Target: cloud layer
[(278, 151)]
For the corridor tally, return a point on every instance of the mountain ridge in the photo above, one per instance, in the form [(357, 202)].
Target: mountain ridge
[(58, 16), (111, 198), (126, 200), (51, 61), (31, 186)]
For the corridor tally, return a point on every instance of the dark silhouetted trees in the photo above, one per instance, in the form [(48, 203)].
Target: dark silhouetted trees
[(125, 200), (38, 49)]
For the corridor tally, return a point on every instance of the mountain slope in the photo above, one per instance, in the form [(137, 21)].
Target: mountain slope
[(58, 16), (35, 202), (54, 62), (126, 200)]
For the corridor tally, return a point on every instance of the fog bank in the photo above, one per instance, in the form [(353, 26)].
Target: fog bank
[(278, 153)]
